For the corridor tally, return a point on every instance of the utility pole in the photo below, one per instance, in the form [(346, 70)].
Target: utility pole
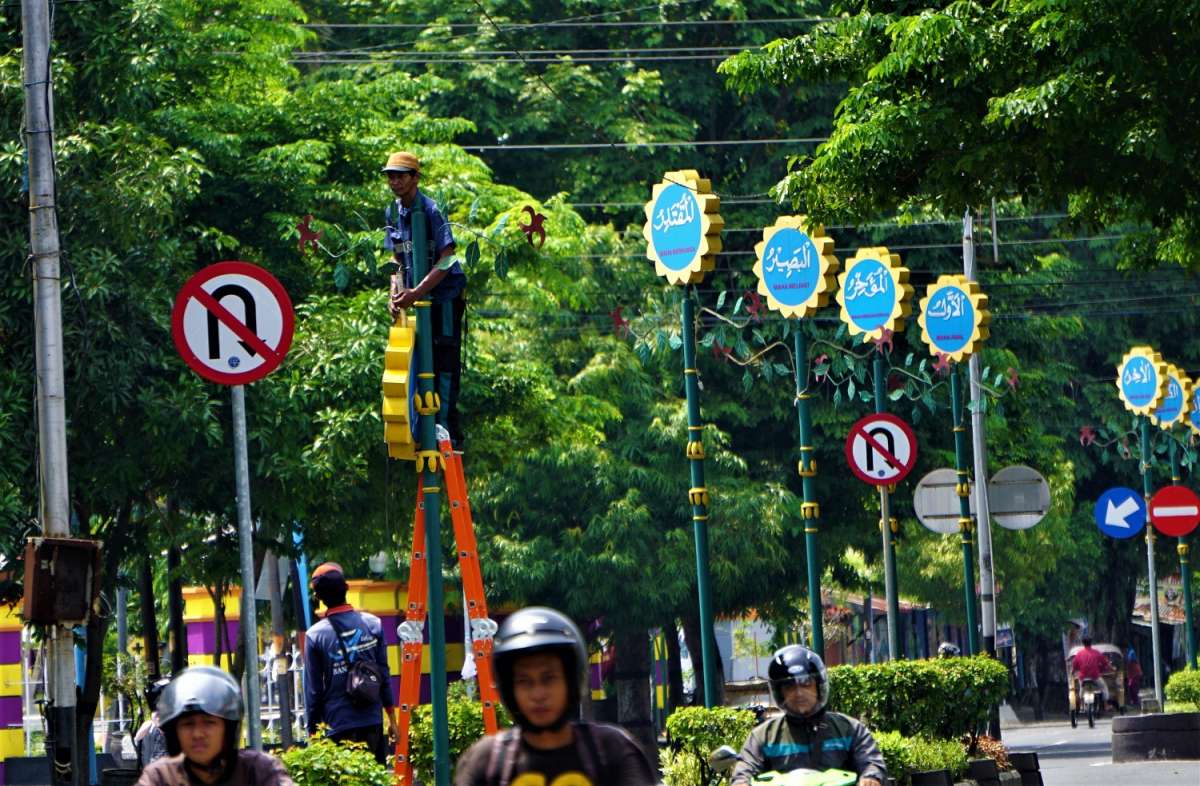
[(51, 390), (987, 584)]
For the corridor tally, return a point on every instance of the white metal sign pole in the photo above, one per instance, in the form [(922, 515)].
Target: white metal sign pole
[(987, 584), (248, 623)]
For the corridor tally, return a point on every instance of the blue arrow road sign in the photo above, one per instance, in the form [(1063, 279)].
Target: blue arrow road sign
[(1120, 512)]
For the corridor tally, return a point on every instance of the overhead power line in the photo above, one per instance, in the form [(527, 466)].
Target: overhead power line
[(483, 54), (575, 22), (635, 145), (416, 60)]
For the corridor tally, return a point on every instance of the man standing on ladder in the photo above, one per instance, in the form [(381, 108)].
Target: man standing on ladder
[(444, 288)]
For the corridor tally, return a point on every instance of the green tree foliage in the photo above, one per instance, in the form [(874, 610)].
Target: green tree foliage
[(951, 104)]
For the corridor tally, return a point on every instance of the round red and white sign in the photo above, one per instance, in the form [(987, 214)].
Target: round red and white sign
[(233, 323), (1175, 510), (881, 449)]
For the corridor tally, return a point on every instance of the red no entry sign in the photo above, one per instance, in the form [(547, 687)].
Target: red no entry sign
[(232, 323), (881, 449), (1175, 510)]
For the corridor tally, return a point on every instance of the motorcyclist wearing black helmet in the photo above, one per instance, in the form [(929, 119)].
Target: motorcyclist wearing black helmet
[(540, 663), (200, 712), (948, 649), (807, 735)]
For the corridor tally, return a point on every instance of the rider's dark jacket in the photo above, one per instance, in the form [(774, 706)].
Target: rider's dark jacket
[(826, 740)]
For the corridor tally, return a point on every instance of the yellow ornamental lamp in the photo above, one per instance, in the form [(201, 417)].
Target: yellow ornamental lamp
[(683, 227), (874, 294), (795, 266), (954, 317)]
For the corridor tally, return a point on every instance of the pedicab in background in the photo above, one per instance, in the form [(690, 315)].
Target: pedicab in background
[(1114, 681)]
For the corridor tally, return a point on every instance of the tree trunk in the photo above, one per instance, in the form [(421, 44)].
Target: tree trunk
[(674, 668), (88, 698), (149, 620), (632, 679), (221, 633), (691, 636), (177, 632)]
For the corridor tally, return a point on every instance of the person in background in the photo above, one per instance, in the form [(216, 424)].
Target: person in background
[(332, 646), (1133, 679), (149, 740)]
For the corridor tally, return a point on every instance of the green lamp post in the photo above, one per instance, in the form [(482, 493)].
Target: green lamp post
[(875, 299), (954, 324), (796, 272), (683, 235)]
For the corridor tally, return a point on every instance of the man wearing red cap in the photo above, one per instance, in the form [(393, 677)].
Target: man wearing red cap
[(333, 649), (442, 288)]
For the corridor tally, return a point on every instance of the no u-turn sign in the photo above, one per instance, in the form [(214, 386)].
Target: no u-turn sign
[(232, 323)]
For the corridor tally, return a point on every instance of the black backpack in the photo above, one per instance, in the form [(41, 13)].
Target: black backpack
[(364, 677)]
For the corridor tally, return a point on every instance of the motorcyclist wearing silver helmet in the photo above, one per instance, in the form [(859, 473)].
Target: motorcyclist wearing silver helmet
[(807, 735), (200, 713)]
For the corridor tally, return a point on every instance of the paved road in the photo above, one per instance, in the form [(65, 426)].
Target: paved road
[(1083, 757)]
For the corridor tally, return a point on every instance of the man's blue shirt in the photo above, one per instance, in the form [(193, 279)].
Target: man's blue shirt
[(398, 238), (325, 671)]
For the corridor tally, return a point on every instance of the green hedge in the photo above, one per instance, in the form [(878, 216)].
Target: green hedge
[(1183, 688), (905, 755), (464, 717), (695, 733), (327, 763), (939, 699)]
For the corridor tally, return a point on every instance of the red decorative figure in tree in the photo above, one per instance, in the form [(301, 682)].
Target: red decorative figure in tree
[(308, 238), (536, 226)]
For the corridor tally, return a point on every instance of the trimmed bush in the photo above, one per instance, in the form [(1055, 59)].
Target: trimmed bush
[(905, 755), (1183, 688), (695, 733), (938, 699), (327, 763), (464, 717)]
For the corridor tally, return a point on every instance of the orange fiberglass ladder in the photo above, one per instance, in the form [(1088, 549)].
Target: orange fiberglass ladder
[(411, 630)]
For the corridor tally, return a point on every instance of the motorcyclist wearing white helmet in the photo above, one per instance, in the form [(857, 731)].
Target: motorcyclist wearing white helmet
[(807, 735), (540, 663), (200, 712)]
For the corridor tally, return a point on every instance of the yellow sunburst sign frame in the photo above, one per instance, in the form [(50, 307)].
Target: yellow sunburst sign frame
[(959, 335), (682, 216), (1175, 374), (812, 248), (1132, 370), (1193, 411), (868, 272)]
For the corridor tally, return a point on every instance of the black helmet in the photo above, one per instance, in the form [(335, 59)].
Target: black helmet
[(948, 650), (204, 689), (154, 690), (798, 664), (533, 630)]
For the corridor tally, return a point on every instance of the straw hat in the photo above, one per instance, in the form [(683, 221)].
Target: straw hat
[(402, 162)]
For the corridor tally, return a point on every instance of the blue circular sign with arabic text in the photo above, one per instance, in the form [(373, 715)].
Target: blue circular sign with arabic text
[(1194, 411), (1139, 381), (949, 319), (869, 295), (1172, 403), (791, 267), (675, 227)]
